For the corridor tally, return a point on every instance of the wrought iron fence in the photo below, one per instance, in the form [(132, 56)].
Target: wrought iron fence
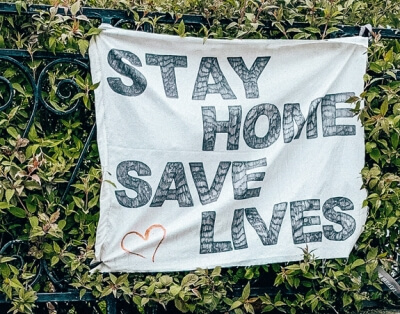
[(66, 88)]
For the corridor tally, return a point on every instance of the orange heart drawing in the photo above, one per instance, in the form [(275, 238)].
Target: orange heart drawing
[(145, 238)]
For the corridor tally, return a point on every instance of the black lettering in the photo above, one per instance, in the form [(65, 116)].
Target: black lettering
[(210, 65), (330, 114), (297, 210), (211, 127), (173, 172), (167, 65), (249, 77), (347, 222), (240, 178), (141, 187), (249, 133), (207, 195), (139, 84), (238, 233), (292, 113), (207, 244), (267, 237)]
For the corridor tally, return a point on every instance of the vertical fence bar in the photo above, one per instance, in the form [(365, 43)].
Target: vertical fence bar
[(111, 307)]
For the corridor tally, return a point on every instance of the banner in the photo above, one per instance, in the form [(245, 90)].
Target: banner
[(226, 152)]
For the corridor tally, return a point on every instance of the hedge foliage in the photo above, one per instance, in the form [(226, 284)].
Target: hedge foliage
[(35, 167)]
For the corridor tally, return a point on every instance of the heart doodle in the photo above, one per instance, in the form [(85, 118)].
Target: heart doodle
[(145, 238)]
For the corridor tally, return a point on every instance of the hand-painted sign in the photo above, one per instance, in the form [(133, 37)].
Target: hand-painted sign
[(226, 152)]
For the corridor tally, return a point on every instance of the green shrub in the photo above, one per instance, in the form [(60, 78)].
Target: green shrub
[(35, 167)]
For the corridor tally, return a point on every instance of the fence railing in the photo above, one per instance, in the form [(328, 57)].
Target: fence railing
[(66, 88), (119, 16)]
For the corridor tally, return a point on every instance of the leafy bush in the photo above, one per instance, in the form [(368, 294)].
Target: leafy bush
[(38, 156)]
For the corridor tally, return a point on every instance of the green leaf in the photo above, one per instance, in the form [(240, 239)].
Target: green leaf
[(313, 30), (83, 46), (394, 140), (391, 221), (144, 301), (280, 27), (375, 67), (78, 202), (52, 43), (314, 304), (82, 17), (93, 31), (189, 279), (216, 272), (75, 7), (389, 56), (279, 303), (347, 300), (82, 292), (396, 109), (268, 308), (372, 253), (4, 205), (138, 285), (175, 289), (54, 260), (62, 224), (357, 263), (235, 305), (6, 259), (246, 291), (371, 267), (384, 107), (249, 274), (332, 30), (230, 25), (137, 300), (113, 278), (13, 132), (342, 286), (166, 280), (18, 88), (93, 202), (392, 74), (249, 308), (293, 30), (377, 286), (19, 5), (9, 194), (150, 289), (352, 99), (375, 154), (181, 29), (14, 281), (181, 306), (34, 221)]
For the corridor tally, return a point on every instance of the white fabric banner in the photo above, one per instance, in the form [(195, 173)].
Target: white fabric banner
[(226, 152)]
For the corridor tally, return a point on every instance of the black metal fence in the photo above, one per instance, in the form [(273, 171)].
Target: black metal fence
[(65, 88)]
